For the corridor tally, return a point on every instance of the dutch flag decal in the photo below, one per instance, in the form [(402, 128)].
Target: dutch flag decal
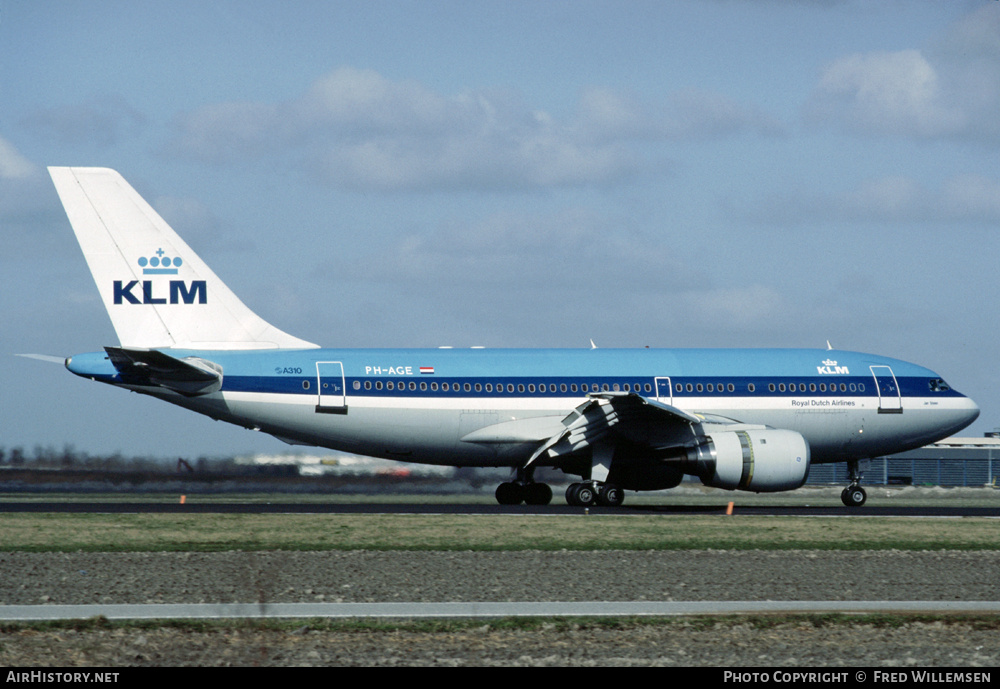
[(427, 369)]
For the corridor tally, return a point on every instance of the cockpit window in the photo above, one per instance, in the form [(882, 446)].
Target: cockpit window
[(938, 385)]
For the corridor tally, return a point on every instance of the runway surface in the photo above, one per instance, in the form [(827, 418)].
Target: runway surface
[(31, 613), (214, 507)]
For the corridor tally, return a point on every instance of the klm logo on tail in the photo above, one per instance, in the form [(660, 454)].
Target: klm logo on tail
[(180, 292), (159, 264)]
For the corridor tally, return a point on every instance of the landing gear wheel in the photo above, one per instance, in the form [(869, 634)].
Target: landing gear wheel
[(610, 495), (537, 494), (580, 495), (509, 494), (513, 493), (853, 496)]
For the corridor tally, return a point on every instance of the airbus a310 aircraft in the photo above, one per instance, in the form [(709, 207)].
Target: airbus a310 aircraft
[(742, 419)]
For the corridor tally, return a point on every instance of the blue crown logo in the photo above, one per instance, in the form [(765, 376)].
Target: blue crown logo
[(159, 264)]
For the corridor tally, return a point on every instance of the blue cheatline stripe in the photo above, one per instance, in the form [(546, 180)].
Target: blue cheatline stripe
[(541, 386)]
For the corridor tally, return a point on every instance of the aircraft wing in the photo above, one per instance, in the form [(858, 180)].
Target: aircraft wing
[(189, 376), (628, 416)]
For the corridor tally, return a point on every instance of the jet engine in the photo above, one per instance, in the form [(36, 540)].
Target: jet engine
[(755, 460)]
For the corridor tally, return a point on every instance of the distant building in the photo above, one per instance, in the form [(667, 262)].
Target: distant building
[(972, 462)]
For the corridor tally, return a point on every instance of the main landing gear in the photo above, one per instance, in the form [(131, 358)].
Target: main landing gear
[(594, 493), (528, 492), (854, 495), (525, 489)]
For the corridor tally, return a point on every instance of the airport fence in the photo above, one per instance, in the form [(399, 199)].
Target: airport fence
[(903, 470)]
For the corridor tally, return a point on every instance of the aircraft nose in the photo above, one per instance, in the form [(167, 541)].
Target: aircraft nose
[(965, 412), (972, 412)]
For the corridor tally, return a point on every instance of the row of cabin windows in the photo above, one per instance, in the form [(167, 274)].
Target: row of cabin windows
[(780, 387), (500, 387), (531, 388)]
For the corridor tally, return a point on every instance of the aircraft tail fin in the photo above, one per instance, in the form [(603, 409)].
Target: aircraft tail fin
[(156, 290)]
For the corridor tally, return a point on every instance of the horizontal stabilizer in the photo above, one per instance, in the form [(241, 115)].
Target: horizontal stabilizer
[(190, 376)]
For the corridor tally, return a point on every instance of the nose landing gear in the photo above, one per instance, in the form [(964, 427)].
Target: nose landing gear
[(854, 495)]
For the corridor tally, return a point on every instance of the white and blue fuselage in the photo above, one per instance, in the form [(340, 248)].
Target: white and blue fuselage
[(417, 405)]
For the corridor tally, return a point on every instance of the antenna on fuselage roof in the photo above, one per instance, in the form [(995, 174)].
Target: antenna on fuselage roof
[(592, 345), (828, 345)]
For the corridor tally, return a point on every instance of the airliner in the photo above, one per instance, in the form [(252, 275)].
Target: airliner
[(618, 419)]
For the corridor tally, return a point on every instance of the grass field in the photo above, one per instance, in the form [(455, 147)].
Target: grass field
[(161, 532)]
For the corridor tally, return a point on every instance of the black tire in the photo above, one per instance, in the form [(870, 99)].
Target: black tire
[(537, 494), (610, 495), (571, 498), (854, 496), (509, 494), (585, 495)]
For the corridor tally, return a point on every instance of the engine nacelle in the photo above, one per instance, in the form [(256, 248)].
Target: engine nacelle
[(759, 460)]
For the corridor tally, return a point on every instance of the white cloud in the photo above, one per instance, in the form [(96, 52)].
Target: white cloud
[(949, 89), (358, 129), (886, 93)]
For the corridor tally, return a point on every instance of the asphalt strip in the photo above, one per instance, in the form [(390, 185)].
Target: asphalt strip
[(26, 613)]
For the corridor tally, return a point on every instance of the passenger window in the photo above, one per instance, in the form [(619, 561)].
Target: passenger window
[(305, 385)]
